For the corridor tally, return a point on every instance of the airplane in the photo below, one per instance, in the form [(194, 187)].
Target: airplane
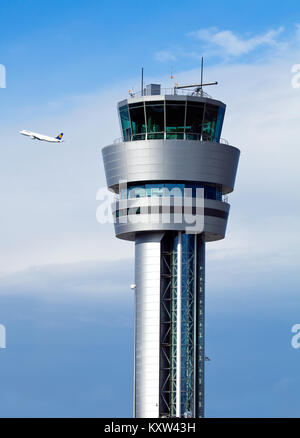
[(41, 137)]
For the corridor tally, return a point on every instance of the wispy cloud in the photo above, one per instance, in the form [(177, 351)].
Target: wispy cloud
[(164, 56), (231, 44), (225, 43), (88, 279)]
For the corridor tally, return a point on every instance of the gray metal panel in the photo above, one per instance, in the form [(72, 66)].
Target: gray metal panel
[(153, 89), (147, 348), (176, 200), (171, 160), (213, 227)]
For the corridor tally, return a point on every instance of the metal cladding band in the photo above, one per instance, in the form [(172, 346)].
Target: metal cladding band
[(214, 229), (171, 97), (171, 160), (207, 211), (210, 218)]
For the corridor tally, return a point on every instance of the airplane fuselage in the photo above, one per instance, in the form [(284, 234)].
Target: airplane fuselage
[(41, 137)]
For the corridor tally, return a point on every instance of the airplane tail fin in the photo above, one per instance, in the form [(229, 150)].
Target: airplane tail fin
[(59, 137)]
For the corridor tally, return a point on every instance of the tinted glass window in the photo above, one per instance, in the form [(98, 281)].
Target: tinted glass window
[(173, 120), (211, 191), (137, 192), (137, 116), (194, 120), (210, 121), (175, 115), (155, 120), (125, 123), (219, 125)]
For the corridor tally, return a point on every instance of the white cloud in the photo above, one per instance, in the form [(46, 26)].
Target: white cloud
[(228, 43), (164, 56), (89, 279)]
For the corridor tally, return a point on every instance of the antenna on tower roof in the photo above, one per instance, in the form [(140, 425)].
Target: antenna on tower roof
[(198, 87), (142, 82), (202, 71)]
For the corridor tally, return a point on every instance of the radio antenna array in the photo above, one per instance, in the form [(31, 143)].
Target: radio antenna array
[(198, 87)]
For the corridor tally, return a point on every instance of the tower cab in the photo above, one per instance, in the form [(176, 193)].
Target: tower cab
[(173, 114)]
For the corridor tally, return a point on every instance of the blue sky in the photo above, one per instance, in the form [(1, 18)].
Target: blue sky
[(62, 48), (64, 278)]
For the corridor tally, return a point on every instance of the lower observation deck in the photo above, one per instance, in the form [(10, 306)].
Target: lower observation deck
[(202, 216)]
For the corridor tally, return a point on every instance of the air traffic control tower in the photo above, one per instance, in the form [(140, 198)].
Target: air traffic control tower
[(171, 167)]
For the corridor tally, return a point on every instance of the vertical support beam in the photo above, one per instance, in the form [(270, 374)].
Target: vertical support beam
[(173, 329), (195, 328), (134, 348), (178, 334), (166, 399), (200, 325)]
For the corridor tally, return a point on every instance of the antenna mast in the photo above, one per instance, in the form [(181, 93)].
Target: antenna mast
[(201, 76), (142, 82), (198, 87)]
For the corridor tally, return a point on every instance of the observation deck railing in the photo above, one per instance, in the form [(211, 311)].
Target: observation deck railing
[(172, 92), (170, 136)]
